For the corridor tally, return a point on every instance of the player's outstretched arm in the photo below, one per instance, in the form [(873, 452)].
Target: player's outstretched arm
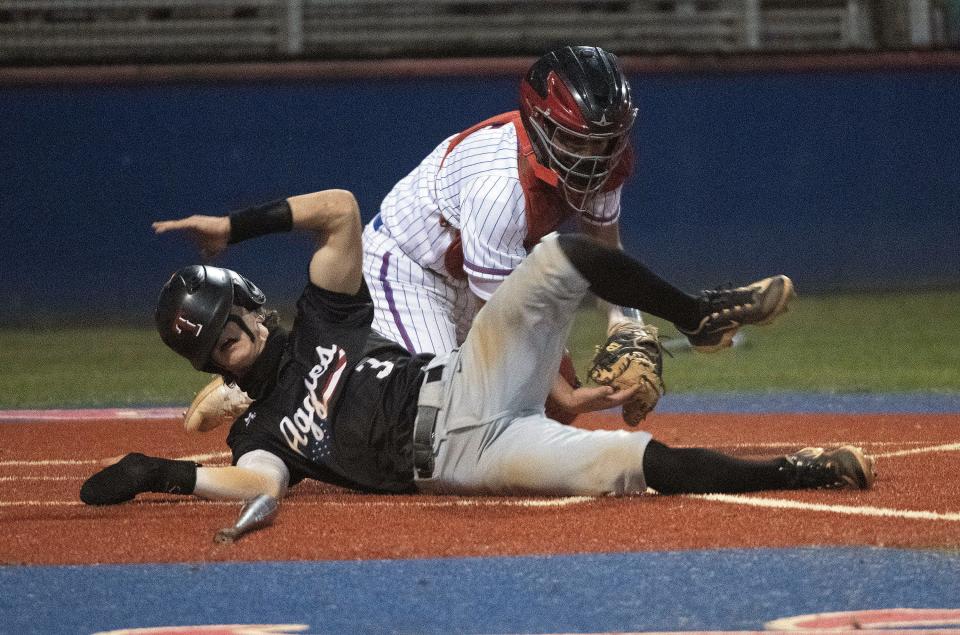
[(260, 484), (589, 398), (137, 473), (236, 483), (333, 215)]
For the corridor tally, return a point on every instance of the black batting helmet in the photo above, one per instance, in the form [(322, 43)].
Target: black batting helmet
[(575, 104), (194, 306)]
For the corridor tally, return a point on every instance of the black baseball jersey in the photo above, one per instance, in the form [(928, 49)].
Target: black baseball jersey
[(336, 401)]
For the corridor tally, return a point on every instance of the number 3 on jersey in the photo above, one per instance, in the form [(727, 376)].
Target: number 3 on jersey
[(385, 367)]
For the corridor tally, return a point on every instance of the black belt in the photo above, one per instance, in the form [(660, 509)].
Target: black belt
[(423, 429)]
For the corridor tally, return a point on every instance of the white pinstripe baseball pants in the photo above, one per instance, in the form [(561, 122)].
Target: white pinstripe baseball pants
[(416, 307)]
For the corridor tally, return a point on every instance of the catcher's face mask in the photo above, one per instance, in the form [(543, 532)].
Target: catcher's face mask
[(582, 162), (576, 106)]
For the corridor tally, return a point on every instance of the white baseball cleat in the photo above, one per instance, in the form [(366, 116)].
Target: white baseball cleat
[(216, 403)]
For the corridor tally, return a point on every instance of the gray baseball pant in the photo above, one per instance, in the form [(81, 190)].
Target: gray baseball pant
[(491, 434)]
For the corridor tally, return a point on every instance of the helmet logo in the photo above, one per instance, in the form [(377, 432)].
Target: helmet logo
[(181, 324)]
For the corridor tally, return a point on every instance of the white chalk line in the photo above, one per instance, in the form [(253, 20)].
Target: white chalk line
[(949, 447), (804, 443), (452, 502), (8, 479), (40, 463), (54, 462), (859, 510)]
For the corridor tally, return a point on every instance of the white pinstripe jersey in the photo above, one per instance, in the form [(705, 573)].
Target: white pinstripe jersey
[(475, 189)]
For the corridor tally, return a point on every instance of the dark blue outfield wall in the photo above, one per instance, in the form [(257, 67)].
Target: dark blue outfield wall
[(844, 180)]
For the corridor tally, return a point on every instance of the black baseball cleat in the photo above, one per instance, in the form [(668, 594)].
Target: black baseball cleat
[(133, 474), (844, 468), (726, 310)]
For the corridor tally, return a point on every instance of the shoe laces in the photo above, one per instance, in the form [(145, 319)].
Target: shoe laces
[(815, 467), (726, 296)]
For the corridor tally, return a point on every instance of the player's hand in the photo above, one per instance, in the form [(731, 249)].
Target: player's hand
[(592, 398), (210, 233)]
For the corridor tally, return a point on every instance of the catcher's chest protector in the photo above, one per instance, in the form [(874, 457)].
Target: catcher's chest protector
[(545, 210)]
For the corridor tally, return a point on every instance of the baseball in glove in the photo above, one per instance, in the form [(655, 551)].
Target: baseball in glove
[(631, 357)]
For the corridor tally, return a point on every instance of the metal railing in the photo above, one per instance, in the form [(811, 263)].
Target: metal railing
[(117, 31)]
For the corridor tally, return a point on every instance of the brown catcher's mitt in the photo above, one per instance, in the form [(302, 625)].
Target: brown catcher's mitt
[(631, 357)]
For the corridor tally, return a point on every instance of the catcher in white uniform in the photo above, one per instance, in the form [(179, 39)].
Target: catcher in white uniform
[(452, 230), (335, 401)]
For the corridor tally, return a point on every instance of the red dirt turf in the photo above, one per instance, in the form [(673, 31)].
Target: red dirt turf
[(43, 522)]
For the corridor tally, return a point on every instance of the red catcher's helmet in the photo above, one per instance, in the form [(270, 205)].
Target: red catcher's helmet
[(576, 107)]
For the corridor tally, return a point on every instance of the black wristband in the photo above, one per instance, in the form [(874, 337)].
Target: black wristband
[(269, 218)]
